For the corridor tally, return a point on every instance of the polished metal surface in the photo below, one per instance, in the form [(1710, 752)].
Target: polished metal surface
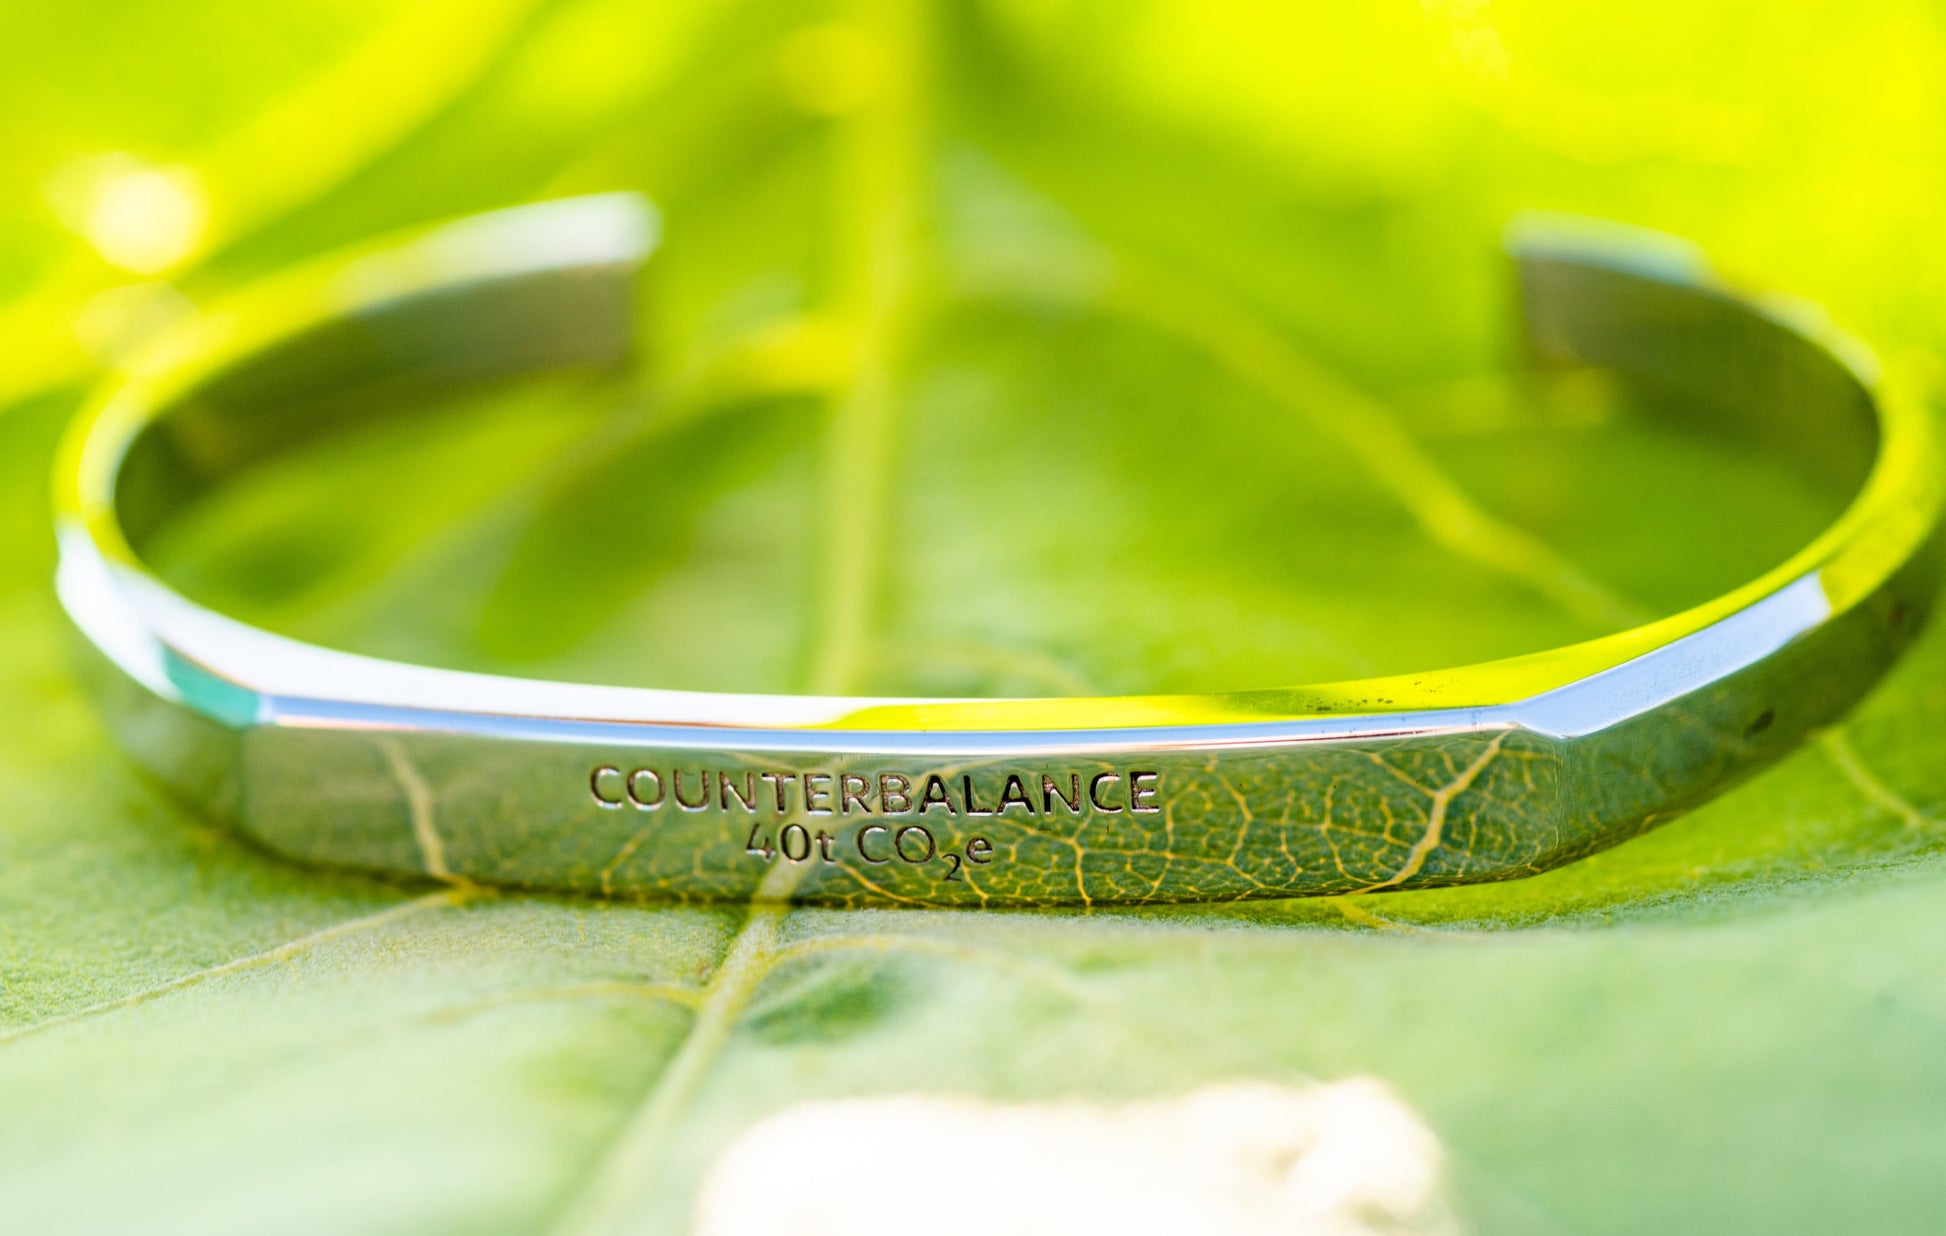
[(1477, 773)]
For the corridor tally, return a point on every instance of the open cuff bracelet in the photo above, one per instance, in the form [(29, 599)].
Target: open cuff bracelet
[(1484, 772)]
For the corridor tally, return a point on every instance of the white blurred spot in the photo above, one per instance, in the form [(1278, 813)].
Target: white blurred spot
[(1333, 1160), (140, 216)]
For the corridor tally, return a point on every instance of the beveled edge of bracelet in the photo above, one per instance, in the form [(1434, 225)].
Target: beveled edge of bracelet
[(243, 676)]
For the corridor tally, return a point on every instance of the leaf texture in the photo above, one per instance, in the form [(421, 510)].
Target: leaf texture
[(1008, 348)]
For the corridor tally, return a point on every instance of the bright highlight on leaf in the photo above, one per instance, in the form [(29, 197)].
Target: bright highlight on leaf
[(141, 217), (1247, 1160)]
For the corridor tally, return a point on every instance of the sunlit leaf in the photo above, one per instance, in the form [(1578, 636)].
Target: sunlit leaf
[(1024, 347)]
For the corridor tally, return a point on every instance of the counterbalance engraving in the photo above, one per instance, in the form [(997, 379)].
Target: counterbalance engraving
[(878, 821), (777, 794)]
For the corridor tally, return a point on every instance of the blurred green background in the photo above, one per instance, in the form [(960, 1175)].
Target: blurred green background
[(998, 346)]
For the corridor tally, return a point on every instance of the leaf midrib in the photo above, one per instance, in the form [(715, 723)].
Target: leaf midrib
[(883, 144)]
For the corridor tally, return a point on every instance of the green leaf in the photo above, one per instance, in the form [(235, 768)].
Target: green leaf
[(1012, 348)]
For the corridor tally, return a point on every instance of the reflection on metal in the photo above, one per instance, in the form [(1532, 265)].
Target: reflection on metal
[(1476, 773)]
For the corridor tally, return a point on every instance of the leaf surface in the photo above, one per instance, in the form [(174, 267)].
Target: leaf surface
[(1015, 349)]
